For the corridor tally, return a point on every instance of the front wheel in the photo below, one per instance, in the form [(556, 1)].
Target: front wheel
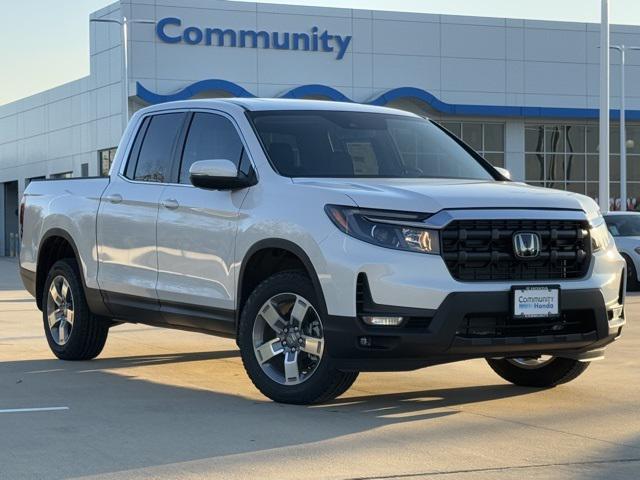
[(282, 343), (541, 371)]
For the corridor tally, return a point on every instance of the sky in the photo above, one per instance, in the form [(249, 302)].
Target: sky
[(44, 43)]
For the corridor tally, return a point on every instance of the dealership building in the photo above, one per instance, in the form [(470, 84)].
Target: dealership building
[(523, 93)]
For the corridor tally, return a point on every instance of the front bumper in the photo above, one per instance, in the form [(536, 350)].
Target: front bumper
[(441, 336)]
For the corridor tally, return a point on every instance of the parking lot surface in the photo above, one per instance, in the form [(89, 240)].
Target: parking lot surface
[(168, 404)]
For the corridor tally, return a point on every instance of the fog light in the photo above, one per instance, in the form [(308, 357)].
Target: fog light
[(383, 321), (365, 341)]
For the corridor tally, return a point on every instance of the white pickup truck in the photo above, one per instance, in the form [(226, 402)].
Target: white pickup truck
[(327, 239)]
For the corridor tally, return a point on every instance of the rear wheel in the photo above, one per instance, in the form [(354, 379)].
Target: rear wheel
[(72, 331), (282, 343), (540, 371)]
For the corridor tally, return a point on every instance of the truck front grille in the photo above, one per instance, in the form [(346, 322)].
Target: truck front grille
[(482, 250)]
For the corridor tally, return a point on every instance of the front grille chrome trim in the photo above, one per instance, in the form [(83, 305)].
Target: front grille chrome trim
[(443, 218)]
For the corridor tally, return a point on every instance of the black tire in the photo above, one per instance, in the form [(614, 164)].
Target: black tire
[(89, 333), (556, 372), (326, 382), (632, 275)]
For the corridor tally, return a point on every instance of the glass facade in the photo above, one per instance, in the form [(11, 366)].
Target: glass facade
[(566, 157), (486, 138), (105, 159)]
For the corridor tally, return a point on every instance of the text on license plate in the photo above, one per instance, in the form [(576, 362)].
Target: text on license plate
[(536, 301)]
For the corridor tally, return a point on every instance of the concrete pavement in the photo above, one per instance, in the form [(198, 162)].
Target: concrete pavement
[(168, 404)]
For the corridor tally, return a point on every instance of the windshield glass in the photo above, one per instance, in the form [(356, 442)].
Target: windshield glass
[(623, 225), (358, 145)]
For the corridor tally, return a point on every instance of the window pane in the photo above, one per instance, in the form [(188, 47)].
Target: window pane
[(556, 185), (211, 137), (534, 167), (554, 138), (555, 167), (495, 159), (614, 140), (135, 149), (592, 190), (576, 167), (61, 175), (453, 127), (493, 137), (614, 193), (633, 139), (633, 167), (106, 159), (472, 135), (154, 161), (576, 138), (536, 184), (577, 187), (593, 139), (593, 167), (534, 138), (614, 167)]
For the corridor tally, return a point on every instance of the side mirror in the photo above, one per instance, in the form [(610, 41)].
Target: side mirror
[(219, 175), (504, 172)]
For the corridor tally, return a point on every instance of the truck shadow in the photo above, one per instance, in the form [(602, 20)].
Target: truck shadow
[(118, 421)]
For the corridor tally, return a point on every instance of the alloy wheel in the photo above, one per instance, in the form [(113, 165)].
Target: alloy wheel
[(60, 310), (531, 363), (288, 339)]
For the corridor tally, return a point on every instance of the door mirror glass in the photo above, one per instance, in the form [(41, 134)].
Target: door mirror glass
[(218, 174), (504, 172)]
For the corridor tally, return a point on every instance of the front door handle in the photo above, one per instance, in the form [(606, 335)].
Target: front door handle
[(115, 198), (170, 203)]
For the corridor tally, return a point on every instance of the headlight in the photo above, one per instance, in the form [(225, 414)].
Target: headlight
[(400, 231), (600, 236)]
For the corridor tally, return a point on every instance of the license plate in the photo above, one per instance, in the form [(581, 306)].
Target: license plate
[(536, 301)]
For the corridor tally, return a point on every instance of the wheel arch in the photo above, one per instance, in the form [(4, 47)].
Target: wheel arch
[(55, 245), (256, 254)]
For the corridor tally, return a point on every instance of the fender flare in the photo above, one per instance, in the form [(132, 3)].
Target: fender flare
[(93, 296), (290, 247)]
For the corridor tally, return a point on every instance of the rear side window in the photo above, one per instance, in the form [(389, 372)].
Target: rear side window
[(156, 150), (210, 137)]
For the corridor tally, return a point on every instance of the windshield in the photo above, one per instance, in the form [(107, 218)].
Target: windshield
[(359, 145), (623, 225)]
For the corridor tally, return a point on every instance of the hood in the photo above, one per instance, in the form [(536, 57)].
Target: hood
[(433, 195)]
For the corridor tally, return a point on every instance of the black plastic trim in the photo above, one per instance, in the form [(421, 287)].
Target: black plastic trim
[(28, 280), (399, 349), (94, 298), (135, 309), (283, 245)]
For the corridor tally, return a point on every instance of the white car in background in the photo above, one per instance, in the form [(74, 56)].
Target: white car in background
[(625, 229)]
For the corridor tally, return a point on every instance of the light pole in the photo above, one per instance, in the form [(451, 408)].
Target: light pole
[(124, 38), (603, 183), (623, 130)]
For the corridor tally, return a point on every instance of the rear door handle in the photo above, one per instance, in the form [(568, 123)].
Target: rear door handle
[(170, 203), (115, 198)]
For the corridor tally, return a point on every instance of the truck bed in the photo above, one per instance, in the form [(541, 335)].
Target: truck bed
[(51, 206)]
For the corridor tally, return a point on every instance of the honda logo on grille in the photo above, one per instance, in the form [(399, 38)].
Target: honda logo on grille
[(526, 244)]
